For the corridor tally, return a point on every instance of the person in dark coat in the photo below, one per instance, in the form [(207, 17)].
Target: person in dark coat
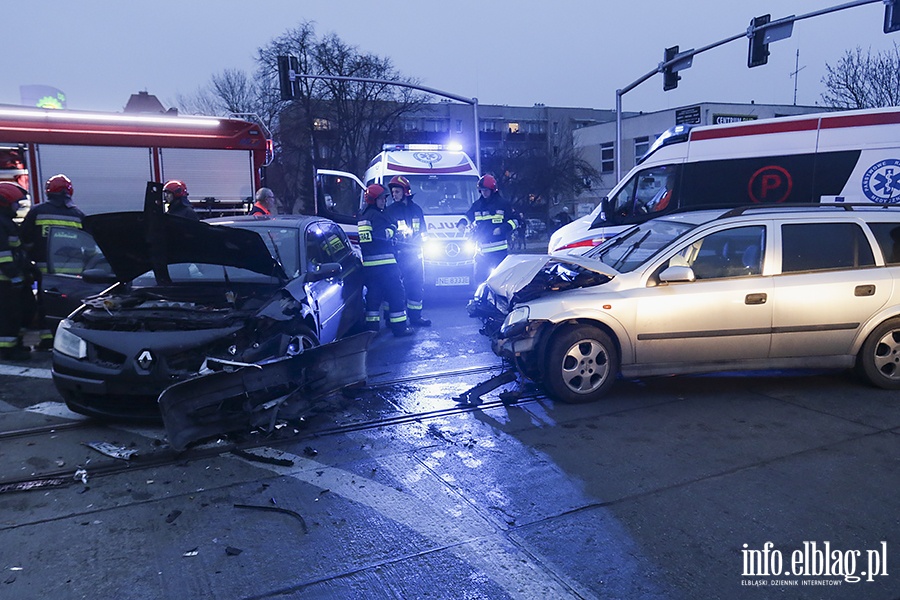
[(492, 220), (380, 270), (410, 221), (57, 211), (13, 265), (175, 195)]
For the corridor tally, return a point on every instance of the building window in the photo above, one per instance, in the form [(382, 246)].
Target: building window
[(410, 125), (607, 158), (459, 126), (513, 127), (641, 146), (436, 125), (488, 126), (321, 124), (555, 127)]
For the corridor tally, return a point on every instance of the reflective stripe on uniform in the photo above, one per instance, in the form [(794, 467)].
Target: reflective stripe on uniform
[(495, 247), (379, 259)]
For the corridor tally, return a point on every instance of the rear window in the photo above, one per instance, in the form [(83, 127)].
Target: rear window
[(824, 246), (888, 237)]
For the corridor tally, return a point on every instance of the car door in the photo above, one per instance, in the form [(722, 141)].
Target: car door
[(70, 252), (326, 294), (828, 287), (722, 315)]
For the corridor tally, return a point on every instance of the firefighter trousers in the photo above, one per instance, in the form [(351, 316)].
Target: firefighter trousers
[(383, 282)]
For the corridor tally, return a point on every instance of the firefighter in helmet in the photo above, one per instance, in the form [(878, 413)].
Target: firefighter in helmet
[(382, 275), (492, 220), (175, 195), (57, 211), (13, 276), (410, 226)]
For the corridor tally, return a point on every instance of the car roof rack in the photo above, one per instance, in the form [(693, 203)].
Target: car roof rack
[(739, 210)]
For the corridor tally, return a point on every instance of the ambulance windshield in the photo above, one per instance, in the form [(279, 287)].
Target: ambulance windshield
[(443, 194)]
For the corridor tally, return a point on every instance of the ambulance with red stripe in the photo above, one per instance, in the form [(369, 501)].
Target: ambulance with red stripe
[(443, 180), (836, 157)]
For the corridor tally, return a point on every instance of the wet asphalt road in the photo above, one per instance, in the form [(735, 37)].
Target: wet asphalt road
[(653, 493)]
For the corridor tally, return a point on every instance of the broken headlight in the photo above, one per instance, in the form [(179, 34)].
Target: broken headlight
[(515, 322)]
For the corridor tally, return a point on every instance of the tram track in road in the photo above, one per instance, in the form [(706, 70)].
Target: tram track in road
[(165, 456)]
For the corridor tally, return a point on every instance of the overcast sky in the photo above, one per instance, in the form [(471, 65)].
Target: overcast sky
[(573, 53)]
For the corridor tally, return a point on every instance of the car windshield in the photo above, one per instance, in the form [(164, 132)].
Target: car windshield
[(633, 247), (282, 244), (443, 194), (204, 273)]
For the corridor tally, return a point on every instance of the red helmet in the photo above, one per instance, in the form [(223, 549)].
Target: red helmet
[(59, 184), (176, 187), (401, 182), (10, 193), (373, 193), (488, 183)]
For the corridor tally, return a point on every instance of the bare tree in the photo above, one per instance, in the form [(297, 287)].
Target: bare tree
[(335, 124), (231, 91), (863, 80)]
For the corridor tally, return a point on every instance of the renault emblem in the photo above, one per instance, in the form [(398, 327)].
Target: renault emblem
[(145, 359)]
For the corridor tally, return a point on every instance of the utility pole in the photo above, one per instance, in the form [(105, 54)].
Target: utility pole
[(797, 69)]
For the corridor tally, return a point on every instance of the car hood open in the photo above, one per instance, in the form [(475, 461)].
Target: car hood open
[(133, 244)]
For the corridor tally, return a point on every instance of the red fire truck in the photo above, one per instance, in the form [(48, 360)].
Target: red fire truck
[(110, 157)]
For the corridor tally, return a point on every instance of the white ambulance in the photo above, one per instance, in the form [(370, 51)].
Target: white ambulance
[(443, 181), (836, 157)]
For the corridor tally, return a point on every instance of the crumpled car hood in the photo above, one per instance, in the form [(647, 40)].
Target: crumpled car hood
[(522, 277), (125, 240)]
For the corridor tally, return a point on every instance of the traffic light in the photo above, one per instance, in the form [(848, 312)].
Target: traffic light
[(670, 76), (287, 68), (891, 16), (759, 48)]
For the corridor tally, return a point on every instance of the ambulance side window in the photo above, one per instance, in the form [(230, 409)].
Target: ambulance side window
[(650, 191)]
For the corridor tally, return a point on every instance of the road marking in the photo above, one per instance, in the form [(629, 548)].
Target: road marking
[(25, 372), (55, 409), (444, 519)]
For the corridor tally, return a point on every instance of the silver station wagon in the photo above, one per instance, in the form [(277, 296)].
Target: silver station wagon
[(751, 288)]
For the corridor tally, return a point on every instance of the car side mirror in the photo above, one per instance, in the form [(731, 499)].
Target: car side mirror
[(318, 272), (98, 276), (677, 274)]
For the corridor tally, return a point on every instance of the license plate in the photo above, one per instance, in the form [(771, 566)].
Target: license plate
[(452, 281)]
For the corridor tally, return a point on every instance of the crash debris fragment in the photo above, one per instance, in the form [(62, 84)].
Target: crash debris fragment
[(112, 450)]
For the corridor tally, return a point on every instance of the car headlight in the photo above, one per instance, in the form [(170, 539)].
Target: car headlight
[(515, 322), (66, 342)]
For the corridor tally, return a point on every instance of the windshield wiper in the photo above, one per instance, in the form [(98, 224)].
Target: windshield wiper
[(634, 247)]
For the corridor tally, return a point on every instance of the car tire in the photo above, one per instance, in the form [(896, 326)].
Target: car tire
[(879, 357), (583, 364)]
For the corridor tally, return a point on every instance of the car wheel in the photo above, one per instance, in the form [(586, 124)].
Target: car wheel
[(303, 339), (583, 364), (879, 358)]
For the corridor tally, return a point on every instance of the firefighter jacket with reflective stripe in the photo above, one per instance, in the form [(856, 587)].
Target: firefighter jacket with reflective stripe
[(12, 255), (55, 212), (494, 220), (410, 221), (376, 233)]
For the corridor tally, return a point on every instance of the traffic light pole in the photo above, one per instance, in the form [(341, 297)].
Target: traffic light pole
[(773, 31), (471, 101)]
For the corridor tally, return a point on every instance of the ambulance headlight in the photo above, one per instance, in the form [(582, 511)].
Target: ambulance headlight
[(66, 342), (433, 248), (469, 248)]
